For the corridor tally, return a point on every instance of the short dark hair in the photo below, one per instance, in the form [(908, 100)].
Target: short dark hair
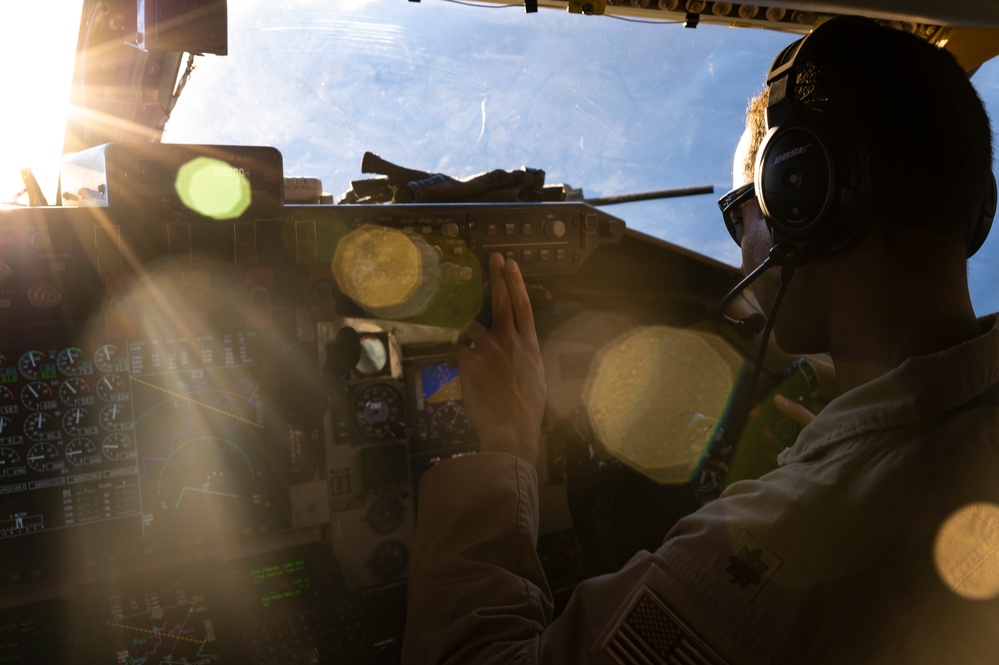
[(914, 107)]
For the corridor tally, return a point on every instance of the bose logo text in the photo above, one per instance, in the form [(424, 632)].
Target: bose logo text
[(789, 154)]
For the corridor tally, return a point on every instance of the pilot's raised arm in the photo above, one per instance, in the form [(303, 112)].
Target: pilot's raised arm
[(476, 582), (864, 178)]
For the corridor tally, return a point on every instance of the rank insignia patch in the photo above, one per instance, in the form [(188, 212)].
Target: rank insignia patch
[(750, 564)]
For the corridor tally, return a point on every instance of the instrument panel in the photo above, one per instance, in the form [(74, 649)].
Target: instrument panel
[(141, 451), (212, 431)]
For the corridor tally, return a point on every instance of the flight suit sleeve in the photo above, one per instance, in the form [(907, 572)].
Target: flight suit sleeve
[(478, 595), (477, 591)]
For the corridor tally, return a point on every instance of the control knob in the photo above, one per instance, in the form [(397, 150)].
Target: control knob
[(44, 295), (554, 228), (258, 298)]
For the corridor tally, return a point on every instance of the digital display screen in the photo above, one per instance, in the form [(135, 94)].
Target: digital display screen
[(34, 633), (294, 608), (165, 617), (440, 417), (439, 384), (171, 434), (275, 607)]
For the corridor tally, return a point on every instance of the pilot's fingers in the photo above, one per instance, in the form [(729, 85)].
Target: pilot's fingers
[(503, 319), (795, 411), (463, 346), (522, 313), (473, 332), (457, 354)]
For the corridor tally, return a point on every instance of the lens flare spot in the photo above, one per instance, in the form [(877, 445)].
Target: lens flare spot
[(966, 551), (655, 395), (390, 273), (213, 188)]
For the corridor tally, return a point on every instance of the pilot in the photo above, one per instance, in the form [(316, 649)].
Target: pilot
[(863, 182)]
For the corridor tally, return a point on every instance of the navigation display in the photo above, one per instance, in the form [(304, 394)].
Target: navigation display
[(286, 606), (167, 616), (169, 433)]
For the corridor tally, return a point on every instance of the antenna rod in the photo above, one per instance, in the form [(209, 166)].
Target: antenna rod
[(648, 196)]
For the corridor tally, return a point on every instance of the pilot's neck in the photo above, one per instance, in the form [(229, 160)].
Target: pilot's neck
[(882, 317)]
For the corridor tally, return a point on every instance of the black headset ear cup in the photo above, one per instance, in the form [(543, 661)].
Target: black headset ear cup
[(812, 183), (796, 175), (979, 231), (813, 180)]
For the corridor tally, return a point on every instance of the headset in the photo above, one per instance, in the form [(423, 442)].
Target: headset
[(813, 180)]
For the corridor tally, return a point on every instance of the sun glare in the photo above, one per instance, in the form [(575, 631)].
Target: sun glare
[(37, 46), (388, 272), (967, 551), (691, 371), (213, 188)]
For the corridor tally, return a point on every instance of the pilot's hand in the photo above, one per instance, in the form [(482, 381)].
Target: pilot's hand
[(791, 417), (502, 376), (795, 411)]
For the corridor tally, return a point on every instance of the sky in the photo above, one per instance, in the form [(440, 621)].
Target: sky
[(37, 45)]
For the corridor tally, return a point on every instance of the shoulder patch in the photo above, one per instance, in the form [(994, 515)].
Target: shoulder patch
[(750, 565), (651, 634)]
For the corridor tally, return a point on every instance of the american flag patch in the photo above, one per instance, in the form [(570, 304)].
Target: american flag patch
[(651, 634)]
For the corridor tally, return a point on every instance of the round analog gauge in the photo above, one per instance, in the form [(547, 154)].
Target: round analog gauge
[(45, 456), (75, 392), (6, 426), (118, 447), (385, 514), (390, 559), (9, 461), (40, 426), (82, 452), (71, 362), (31, 364), (112, 388), (378, 410), (75, 423), (109, 358), (115, 418), (38, 396), (450, 422), (7, 395), (374, 355)]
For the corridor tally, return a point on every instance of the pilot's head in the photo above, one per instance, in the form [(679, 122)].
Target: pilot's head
[(868, 145)]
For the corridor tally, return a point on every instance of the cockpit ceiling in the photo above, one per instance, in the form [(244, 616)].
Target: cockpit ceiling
[(802, 13), (969, 29)]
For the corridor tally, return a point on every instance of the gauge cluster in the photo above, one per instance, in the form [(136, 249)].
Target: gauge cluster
[(67, 446), (151, 441), (396, 411)]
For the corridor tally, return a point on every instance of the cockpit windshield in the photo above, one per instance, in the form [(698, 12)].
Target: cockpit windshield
[(609, 105), (37, 48)]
